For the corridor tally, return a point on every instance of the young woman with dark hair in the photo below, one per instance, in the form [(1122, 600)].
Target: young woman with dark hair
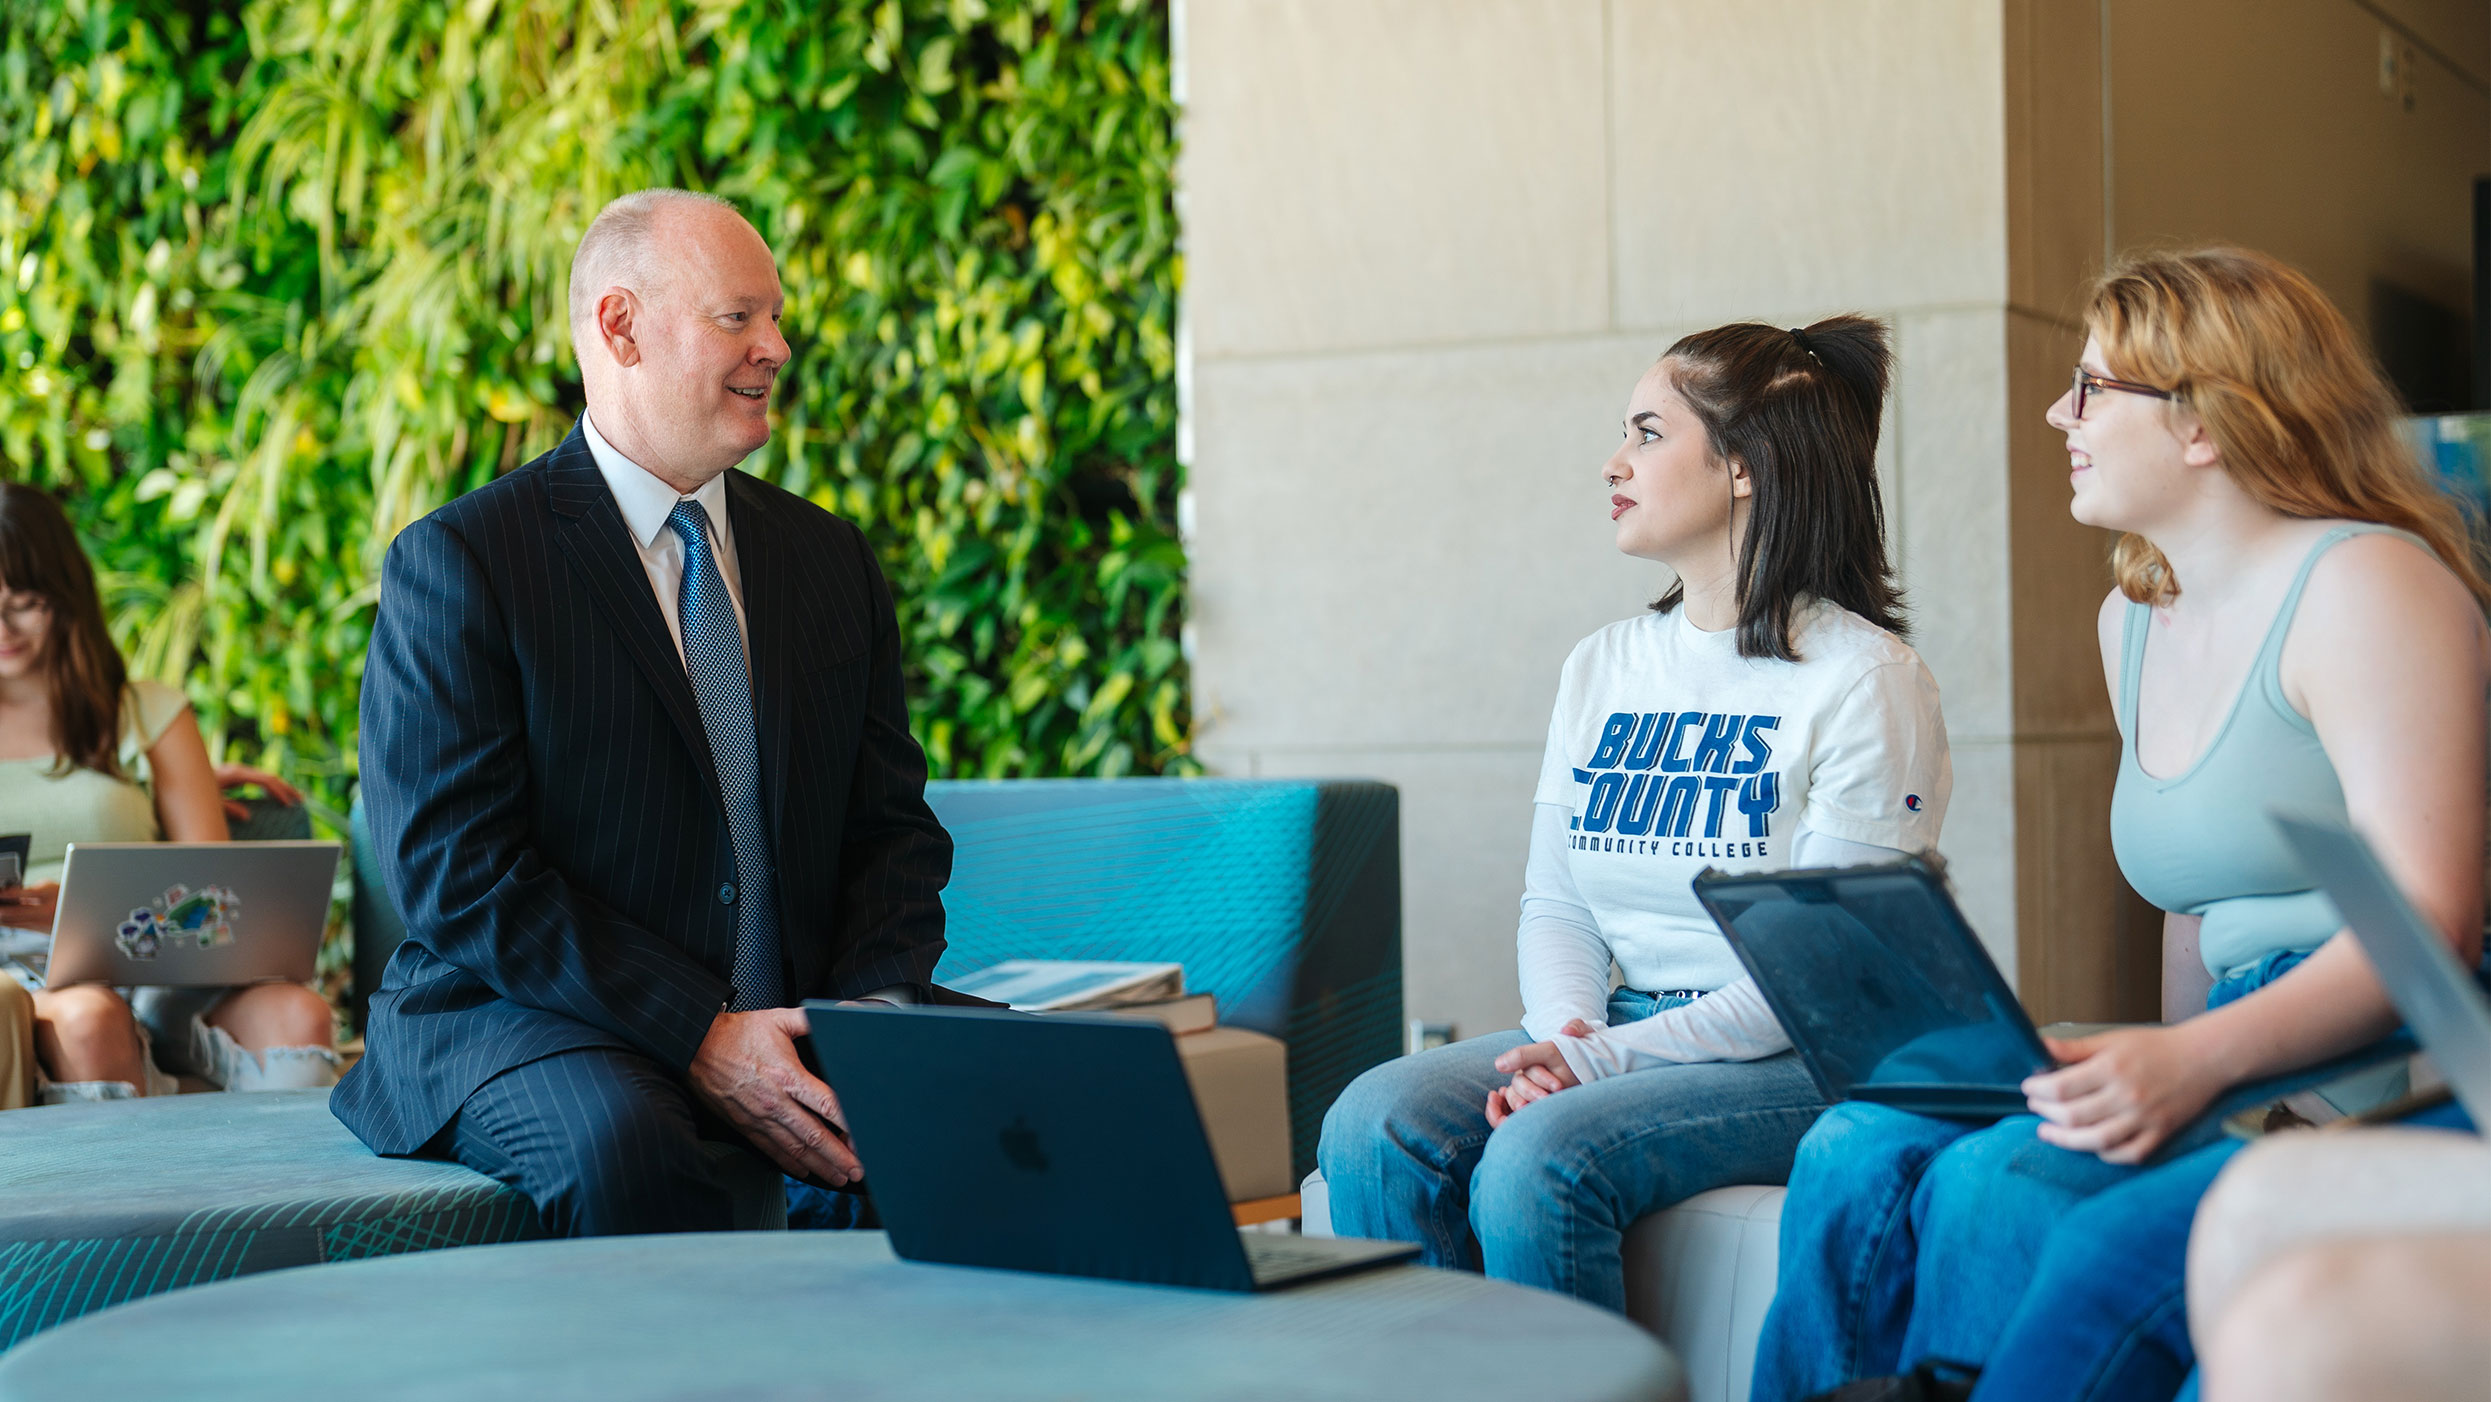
[(87, 755), (1765, 713), (2298, 626)]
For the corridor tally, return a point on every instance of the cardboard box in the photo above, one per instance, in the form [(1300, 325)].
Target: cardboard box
[(1241, 1084)]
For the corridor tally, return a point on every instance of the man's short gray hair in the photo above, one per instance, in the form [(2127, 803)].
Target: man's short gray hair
[(617, 249)]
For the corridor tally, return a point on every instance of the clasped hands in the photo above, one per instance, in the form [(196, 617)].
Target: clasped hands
[(1538, 1069), (748, 1071)]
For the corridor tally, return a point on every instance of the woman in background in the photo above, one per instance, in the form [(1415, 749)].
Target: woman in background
[(88, 755)]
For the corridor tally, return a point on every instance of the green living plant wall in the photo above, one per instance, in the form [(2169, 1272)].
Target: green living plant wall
[(278, 278)]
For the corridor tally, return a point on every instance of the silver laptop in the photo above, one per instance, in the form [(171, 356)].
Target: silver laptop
[(2440, 1001), (187, 914)]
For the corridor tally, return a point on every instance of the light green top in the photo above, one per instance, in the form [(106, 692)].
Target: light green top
[(2200, 843), (84, 805)]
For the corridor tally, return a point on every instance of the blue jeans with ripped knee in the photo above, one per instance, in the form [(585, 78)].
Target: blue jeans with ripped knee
[(1546, 1198)]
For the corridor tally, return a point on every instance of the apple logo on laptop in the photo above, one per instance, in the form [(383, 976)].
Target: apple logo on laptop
[(1020, 1146)]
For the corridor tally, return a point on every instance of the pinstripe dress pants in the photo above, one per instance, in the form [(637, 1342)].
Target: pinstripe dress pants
[(603, 1141)]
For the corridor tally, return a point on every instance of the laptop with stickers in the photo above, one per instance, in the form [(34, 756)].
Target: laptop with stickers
[(191, 914)]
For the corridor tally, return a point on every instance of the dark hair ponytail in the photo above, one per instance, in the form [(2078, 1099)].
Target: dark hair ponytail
[(1799, 410), (40, 554)]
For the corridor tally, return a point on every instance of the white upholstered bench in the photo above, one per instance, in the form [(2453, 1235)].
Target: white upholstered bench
[(1698, 1275)]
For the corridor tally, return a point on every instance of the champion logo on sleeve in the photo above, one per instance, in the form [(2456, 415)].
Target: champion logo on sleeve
[(1912, 802)]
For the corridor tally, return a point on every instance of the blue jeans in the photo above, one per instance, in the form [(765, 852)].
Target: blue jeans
[(1546, 1199), (1906, 1237), (2106, 1315)]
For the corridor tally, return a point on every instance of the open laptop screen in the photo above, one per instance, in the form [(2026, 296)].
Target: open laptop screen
[(1877, 977), (2436, 994)]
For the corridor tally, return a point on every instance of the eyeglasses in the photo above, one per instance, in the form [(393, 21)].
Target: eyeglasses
[(2087, 382), (25, 611)]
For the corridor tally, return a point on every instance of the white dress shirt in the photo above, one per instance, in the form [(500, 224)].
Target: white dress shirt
[(646, 502)]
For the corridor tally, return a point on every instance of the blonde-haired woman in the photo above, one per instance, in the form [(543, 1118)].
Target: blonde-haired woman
[(2298, 624)]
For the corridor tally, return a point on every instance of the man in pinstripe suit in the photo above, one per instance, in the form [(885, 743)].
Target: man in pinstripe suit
[(638, 765)]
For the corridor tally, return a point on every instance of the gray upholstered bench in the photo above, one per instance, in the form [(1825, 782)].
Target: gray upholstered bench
[(114, 1201), (830, 1314), (1700, 1276)]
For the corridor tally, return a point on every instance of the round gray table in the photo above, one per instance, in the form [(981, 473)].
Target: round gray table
[(826, 1314)]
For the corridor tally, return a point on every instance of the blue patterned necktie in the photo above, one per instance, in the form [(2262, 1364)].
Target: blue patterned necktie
[(713, 652)]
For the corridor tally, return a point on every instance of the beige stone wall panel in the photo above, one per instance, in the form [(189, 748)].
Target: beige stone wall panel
[(1400, 550), (1980, 843), (1950, 384), (1794, 154), (1366, 173)]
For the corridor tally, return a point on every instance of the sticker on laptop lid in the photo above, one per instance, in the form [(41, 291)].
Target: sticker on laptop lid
[(203, 918)]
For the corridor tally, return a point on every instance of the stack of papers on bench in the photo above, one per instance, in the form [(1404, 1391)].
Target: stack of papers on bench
[(1073, 985)]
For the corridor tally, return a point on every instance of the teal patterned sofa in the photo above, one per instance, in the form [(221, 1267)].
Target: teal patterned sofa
[(115, 1200), (1281, 897), (112, 1201)]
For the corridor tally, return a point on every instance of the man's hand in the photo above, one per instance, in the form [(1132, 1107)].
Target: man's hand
[(1539, 1070), (747, 1071), (2121, 1093)]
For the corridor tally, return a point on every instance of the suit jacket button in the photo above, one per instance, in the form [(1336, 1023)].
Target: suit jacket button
[(726, 894)]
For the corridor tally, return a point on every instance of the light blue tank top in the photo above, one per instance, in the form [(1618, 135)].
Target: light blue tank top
[(2200, 843)]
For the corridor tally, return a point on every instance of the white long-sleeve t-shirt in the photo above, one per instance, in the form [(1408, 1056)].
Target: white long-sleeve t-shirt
[(1669, 753)]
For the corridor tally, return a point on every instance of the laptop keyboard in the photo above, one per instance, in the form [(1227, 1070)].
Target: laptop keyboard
[(1271, 1256)]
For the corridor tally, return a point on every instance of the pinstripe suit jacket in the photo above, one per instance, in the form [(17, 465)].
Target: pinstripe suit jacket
[(544, 803)]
